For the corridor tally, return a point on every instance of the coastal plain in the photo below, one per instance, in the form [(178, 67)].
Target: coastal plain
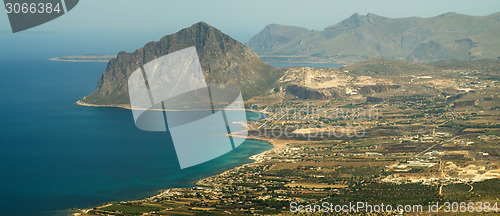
[(434, 138), (379, 130)]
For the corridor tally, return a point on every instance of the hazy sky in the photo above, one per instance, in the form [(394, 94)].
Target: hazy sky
[(127, 21)]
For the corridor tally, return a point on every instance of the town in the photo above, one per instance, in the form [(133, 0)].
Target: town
[(411, 139)]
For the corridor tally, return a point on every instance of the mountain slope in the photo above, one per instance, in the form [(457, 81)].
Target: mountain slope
[(274, 36), (446, 37), (223, 60)]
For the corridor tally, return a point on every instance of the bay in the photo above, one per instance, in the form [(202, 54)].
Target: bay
[(58, 155)]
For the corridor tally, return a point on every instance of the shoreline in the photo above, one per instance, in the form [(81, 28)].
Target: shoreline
[(128, 107), (85, 58), (276, 143), (123, 106), (256, 158), (74, 60)]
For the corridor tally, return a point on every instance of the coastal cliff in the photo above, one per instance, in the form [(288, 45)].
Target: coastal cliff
[(223, 60)]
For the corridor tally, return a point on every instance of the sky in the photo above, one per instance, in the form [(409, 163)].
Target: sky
[(96, 26)]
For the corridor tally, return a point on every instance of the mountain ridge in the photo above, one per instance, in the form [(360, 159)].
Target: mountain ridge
[(449, 36)]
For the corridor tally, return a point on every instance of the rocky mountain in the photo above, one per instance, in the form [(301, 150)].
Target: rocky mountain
[(450, 36), (274, 36), (223, 60)]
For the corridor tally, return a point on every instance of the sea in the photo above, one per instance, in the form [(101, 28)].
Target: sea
[(55, 155)]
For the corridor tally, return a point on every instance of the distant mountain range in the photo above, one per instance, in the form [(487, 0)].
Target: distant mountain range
[(450, 36), (223, 60)]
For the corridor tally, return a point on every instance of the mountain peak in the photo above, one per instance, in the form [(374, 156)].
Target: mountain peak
[(199, 27), (202, 24), (273, 26), (449, 14), (222, 58), (354, 21), (274, 35), (354, 15), (459, 37)]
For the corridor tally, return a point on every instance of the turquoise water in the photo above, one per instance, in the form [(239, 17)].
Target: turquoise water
[(57, 155)]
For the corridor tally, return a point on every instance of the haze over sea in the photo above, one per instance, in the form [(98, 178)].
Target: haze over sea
[(57, 155)]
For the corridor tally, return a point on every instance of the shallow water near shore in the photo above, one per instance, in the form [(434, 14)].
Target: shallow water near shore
[(58, 155)]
